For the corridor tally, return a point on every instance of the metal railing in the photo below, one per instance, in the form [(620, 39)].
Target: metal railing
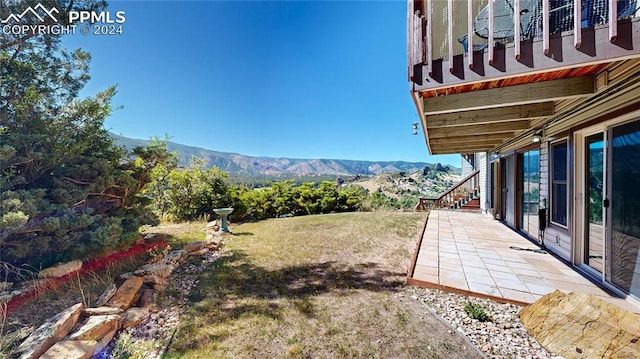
[(441, 29)]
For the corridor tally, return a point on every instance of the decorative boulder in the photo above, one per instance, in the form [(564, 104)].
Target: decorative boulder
[(148, 300), (87, 312), (53, 330), (134, 316), (175, 257), (194, 247), (579, 325), (71, 349), (97, 327), (126, 295), (61, 269), (200, 252), (106, 295), (158, 269)]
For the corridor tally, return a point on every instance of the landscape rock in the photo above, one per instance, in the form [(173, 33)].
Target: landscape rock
[(53, 330), (61, 270), (147, 300), (153, 279), (579, 325), (106, 295), (200, 252), (71, 349), (158, 269), (97, 327), (102, 343), (175, 257), (87, 312), (194, 247), (101, 324), (157, 283), (134, 316), (214, 241), (159, 287), (126, 275), (125, 296)]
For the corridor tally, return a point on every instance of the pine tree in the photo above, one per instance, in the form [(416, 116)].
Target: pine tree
[(66, 189)]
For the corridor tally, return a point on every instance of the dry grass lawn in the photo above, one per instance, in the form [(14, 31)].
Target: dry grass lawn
[(326, 286)]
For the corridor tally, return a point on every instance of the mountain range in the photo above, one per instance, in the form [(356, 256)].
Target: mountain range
[(238, 164)]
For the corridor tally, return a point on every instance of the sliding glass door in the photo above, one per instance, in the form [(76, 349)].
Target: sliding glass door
[(624, 208), (530, 192), (594, 190), (607, 203), (508, 165)]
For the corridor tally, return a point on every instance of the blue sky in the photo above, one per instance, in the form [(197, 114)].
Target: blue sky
[(299, 79)]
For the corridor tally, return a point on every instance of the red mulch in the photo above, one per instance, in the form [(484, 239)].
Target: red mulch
[(92, 265)]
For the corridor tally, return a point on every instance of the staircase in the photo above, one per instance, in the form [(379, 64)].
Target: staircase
[(464, 195)]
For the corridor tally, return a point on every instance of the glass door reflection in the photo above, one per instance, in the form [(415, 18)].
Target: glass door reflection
[(594, 231)]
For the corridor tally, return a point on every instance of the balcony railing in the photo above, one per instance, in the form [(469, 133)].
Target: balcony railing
[(456, 196), (452, 41)]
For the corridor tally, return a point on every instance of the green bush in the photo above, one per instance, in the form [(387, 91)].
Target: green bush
[(285, 198), (475, 311)]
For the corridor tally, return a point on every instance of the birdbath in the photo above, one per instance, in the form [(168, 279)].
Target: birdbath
[(223, 212)]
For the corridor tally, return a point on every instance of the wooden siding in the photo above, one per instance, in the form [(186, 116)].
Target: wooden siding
[(482, 164), (558, 242)]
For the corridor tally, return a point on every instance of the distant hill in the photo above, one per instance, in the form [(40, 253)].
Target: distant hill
[(237, 164), (429, 182)]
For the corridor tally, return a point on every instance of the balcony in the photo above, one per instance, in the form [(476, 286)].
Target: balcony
[(477, 87), (451, 50)]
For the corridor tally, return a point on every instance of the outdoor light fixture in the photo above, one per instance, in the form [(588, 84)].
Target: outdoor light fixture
[(537, 137), (415, 128)]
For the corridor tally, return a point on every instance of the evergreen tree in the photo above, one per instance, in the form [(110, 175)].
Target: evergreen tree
[(66, 189)]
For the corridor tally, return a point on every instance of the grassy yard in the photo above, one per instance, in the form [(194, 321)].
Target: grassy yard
[(326, 286)]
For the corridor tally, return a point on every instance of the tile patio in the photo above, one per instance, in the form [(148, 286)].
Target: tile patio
[(470, 253)]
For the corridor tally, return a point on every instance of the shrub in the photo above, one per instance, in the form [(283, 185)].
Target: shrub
[(475, 311)]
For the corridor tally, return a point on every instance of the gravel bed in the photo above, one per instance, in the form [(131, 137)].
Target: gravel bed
[(503, 336)]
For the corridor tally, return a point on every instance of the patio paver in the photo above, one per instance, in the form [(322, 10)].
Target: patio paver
[(470, 253)]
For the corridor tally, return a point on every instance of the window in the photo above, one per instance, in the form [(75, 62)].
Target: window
[(559, 183)]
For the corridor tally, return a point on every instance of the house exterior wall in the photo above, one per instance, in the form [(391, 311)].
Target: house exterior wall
[(556, 239), (465, 167), (482, 164), (567, 241), (559, 242), (613, 99)]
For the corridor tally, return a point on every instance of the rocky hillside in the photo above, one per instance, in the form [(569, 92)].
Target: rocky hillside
[(237, 164), (429, 182)]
